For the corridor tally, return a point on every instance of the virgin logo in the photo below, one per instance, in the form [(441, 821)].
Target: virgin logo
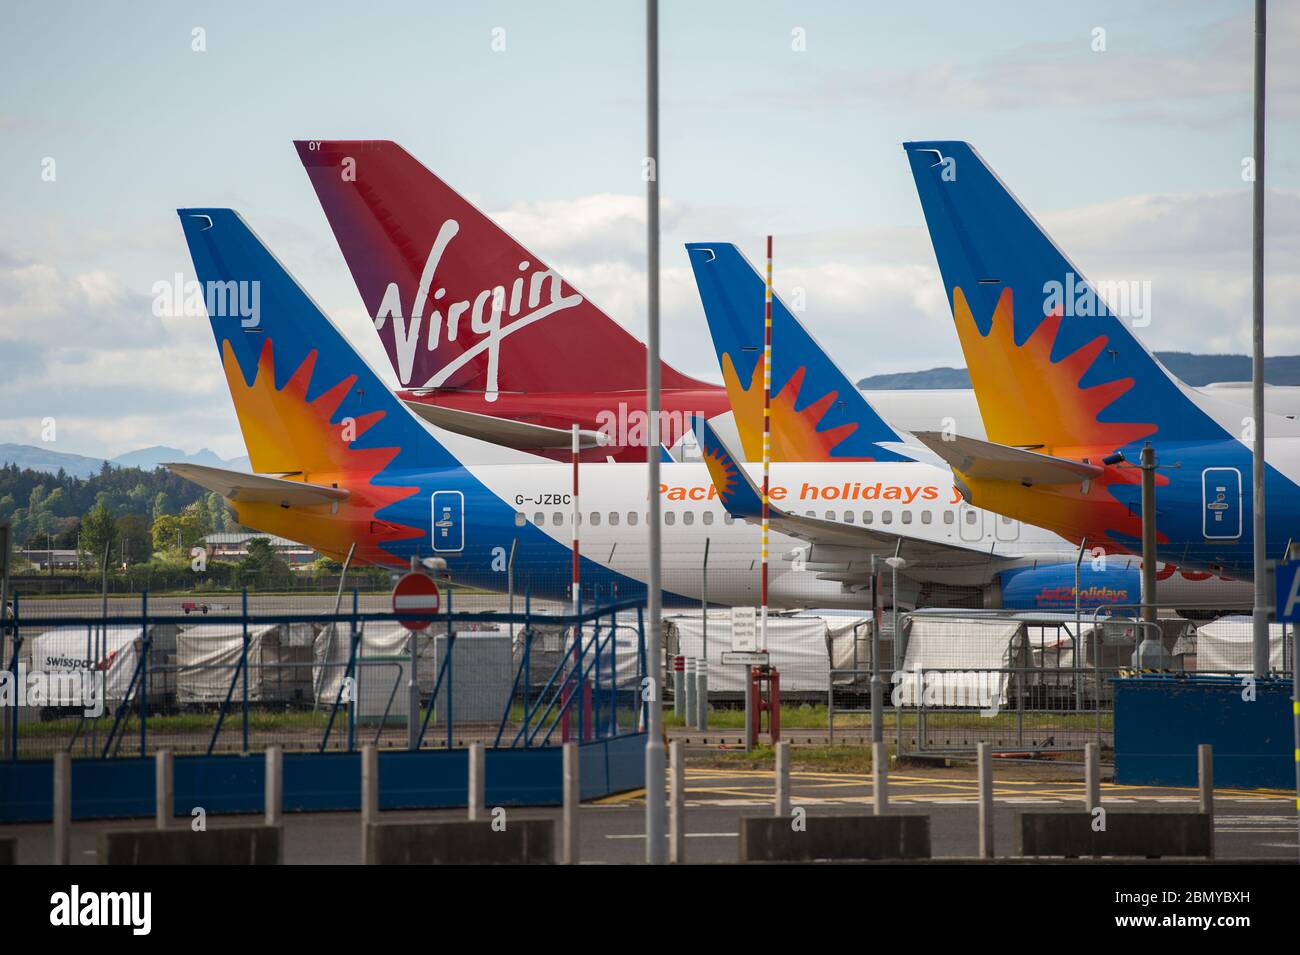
[(486, 311)]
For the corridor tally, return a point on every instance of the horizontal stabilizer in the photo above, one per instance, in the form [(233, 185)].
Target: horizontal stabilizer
[(1000, 462), (505, 432), (259, 488)]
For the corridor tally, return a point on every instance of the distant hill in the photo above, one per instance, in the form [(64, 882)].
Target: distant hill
[(1194, 369), (82, 466), (42, 459)]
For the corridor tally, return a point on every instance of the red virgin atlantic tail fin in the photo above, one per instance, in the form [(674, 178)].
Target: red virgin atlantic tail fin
[(457, 302)]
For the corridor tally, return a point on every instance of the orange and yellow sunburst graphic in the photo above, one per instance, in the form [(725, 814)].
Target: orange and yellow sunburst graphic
[(794, 433), (1029, 401), (722, 471), (287, 434)]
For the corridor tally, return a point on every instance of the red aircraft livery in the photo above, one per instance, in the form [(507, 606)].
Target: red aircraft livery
[(474, 322)]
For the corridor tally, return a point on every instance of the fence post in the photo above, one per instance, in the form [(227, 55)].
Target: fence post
[(879, 778), (62, 808), (274, 797), (1205, 773), (572, 798), (1092, 776), (164, 789), (677, 803), (244, 668), (782, 805), (477, 781), (369, 796), (985, 760)]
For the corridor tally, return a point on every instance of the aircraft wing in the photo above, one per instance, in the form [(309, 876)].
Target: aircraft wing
[(1000, 462), (241, 487), (841, 543), (503, 431)]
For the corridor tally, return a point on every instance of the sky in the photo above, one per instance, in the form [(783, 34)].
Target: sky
[(780, 117)]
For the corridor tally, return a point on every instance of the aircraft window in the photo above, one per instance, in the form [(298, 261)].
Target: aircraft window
[(670, 517), (708, 517), (886, 517), (688, 517), (927, 517), (947, 517), (520, 519), (848, 517), (812, 513), (728, 519), (557, 518), (539, 518), (613, 518), (631, 518), (595, 518), (970, 517), (830, 515), (907, 517)]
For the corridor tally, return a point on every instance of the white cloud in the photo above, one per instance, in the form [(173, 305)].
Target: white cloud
[(87, 350)]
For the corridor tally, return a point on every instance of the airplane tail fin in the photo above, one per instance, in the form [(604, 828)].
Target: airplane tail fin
[(1053, 363), (457, 302), (307, 402), (818, 414)]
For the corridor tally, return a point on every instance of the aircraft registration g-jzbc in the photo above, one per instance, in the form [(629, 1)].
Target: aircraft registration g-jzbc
[(339, 460)]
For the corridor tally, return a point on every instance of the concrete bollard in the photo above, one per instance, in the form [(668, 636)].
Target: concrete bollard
[(782, 803), (572, 800), (702, 694), (274, 793), (1092, 777), (369, 795), (679, 688), (164, 789), (880, 778), (688, 691), (677, 802), (1205, 774), (985, 759), (477, 781), (62, 809)]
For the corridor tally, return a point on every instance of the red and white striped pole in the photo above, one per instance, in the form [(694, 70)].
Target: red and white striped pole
[(577, 512), (767, 431)]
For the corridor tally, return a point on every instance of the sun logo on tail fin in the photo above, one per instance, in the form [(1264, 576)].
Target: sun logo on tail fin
[(722, 471), (794, 429), (1028, 400), (288, 434)]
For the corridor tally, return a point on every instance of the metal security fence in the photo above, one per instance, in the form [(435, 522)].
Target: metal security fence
[(218, 679), (1028, 684)]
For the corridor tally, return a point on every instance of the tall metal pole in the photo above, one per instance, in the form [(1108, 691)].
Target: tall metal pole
[(655, 771), (767, 433), (702, 678), (1149, 648), (1259, 615), (877, 688)]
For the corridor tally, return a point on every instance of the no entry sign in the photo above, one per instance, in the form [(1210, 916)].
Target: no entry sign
[(418, 592)]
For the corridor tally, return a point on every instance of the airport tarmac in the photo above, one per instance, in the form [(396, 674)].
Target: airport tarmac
[(1248, 825)]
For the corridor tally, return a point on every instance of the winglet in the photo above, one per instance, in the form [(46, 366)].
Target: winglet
[(736, 491)]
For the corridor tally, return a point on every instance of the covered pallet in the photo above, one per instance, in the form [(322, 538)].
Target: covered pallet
[(796, 646), (1227, 645), (113, 652), (279, 663), (959, 661)]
